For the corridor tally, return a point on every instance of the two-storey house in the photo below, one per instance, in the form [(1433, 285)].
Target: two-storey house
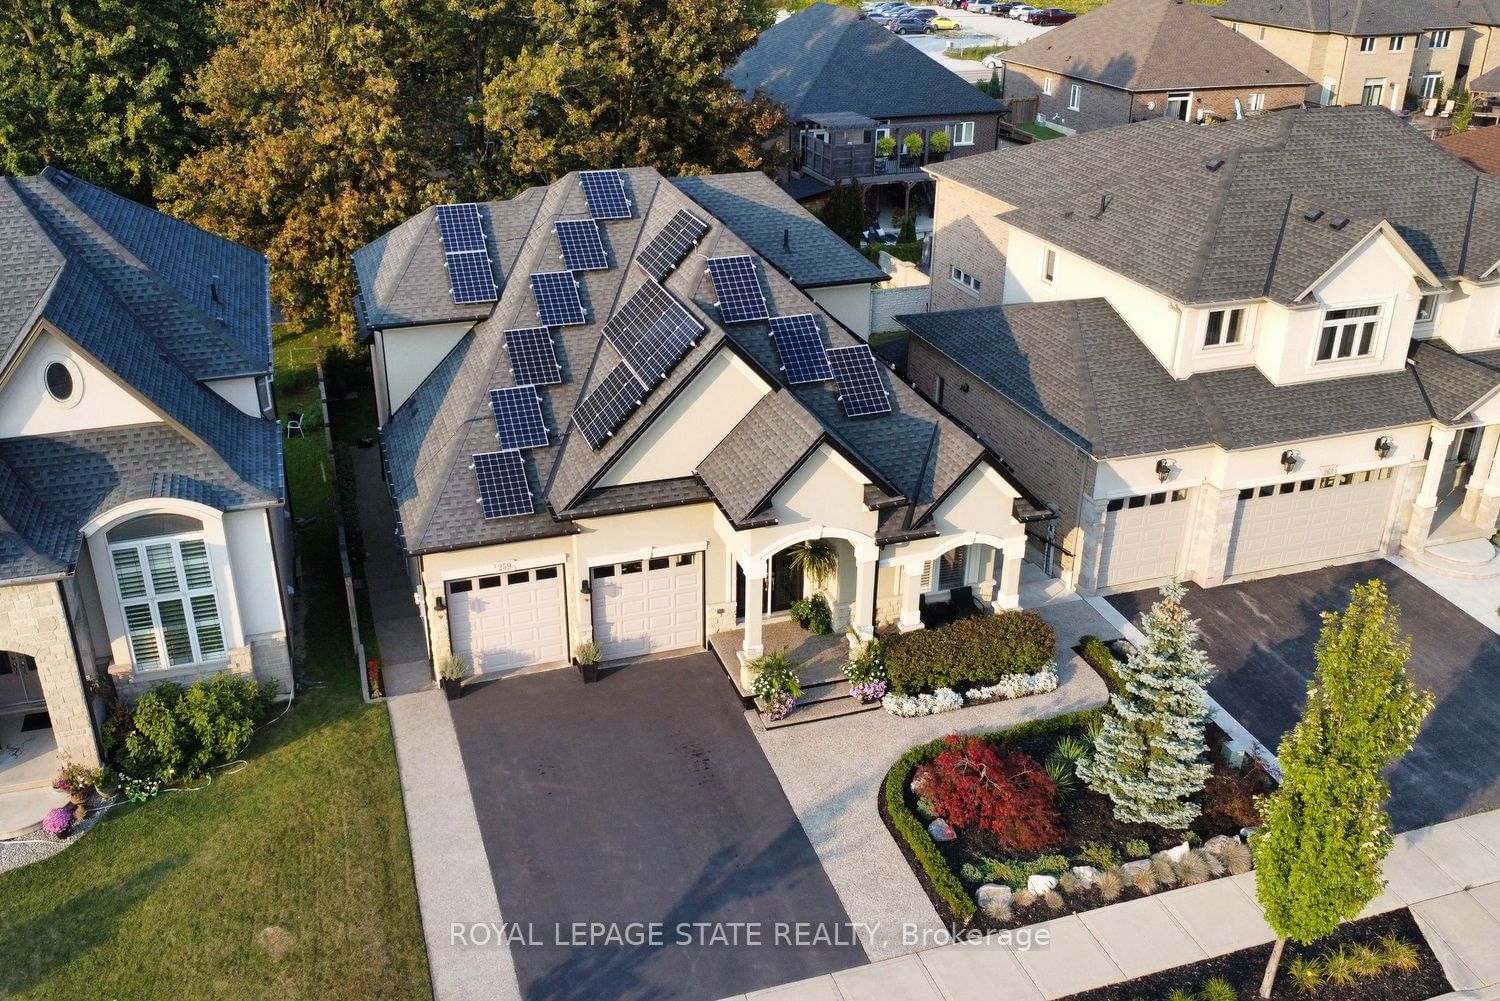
[(1480, 53)]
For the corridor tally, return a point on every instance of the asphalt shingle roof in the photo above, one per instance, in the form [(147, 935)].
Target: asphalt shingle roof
[(1140, 45), (1479, 148), (1345, 17), (829, 58), (1473, 11), (746, 467), (1486, 83), (1455, 383)]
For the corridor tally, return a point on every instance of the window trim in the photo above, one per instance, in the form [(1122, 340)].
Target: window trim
[(1256, 101), (1396, 43), (184, 596), (932, 575), (1075, 96), (1431, 80), (961, 128), (1432, 39), (1048, 86), (1367, 43), (1436, 299), (1049, 265), (1239, 327), (964, 280), (1376, 337)]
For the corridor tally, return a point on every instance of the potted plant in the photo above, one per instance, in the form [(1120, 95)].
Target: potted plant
[(79, 782), (776, 683), (586, 657), (868, 681), (885, 148), (938, 145), (451, 674), (912, 147)]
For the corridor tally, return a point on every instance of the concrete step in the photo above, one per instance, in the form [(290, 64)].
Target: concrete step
[(21, 812), (1471, 559), (829, 708)]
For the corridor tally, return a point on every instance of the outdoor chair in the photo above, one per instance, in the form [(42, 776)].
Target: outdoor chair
[(1430, 107), (1447, 111), (294, 424)]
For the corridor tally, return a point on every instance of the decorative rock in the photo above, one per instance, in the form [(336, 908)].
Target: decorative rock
[(1245, 832), (1235, 754), (993, 895), (1041, 884), (1086, 874), (1179, 853), (1219, 843), (1129, 869), (941, 830)]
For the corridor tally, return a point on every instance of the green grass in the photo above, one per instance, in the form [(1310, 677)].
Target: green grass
[(977, 52), (174, 898), (1040, 131)]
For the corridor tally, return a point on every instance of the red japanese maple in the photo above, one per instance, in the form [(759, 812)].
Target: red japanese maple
[(1005, 792)]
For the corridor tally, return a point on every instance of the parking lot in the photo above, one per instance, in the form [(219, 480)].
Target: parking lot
[(974, 29)]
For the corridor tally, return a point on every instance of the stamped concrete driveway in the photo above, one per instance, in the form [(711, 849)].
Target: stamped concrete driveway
[(1261, 635), (644, 805)]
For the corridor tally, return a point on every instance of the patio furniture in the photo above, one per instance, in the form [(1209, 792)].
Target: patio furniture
[(960, 604), (294, 424), (1447, 111), (1430, 107)]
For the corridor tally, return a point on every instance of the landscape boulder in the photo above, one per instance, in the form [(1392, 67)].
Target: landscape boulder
[(941, 830)]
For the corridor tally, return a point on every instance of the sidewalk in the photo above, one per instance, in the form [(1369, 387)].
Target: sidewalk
[(403, 647), (1449, 875)]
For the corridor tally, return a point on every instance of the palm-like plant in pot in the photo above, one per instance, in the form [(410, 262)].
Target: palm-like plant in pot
[(451, 672), (818, 561)]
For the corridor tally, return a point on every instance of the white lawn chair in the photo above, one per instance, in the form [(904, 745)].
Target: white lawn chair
[(294, 424), (1430, 108), (1447, 111)]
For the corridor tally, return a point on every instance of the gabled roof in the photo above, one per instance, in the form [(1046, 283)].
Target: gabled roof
[(1479, 148), (1240, 221), (829, 58), (1346, 17), (912, 453), (163, 307), (1455, 383), (1473, 11), (1138, 45)]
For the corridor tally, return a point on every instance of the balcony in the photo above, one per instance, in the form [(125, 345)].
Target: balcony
[(848, 153)]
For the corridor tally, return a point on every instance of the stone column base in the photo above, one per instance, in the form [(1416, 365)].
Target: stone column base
[(1487, 511), (1418, 529), (747, 676)]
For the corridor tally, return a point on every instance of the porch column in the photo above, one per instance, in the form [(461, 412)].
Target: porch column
[(1427, 496), (911, 598), (1484, 466), (1487, 511), (1012, 556), (755, 599), (862, 616)]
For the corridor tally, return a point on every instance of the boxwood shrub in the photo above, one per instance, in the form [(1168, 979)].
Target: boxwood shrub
[(970, 652)]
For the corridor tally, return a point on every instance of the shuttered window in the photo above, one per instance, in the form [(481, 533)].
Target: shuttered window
[(948, 570), (171, 610)]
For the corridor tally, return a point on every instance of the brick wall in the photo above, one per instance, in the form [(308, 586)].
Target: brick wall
[(1219, 102), (967, 235), (34, 621)]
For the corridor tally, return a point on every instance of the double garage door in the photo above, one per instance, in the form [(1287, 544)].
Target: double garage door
[(500, 622), (1310, 521), (648, 606)]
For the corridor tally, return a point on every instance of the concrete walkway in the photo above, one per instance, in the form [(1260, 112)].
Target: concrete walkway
[(1479, 598), (1449, 875), (398, 626)]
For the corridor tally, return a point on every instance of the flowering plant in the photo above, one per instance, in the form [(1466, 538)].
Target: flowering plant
[(58, 821), (140, 790), (941, 701), (776, 683), (77, 780), (374, 675), (867, 691)]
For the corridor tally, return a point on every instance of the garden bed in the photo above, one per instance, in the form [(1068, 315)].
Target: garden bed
[(1243, 970)]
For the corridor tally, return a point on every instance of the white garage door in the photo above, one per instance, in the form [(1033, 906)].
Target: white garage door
[(1143, 537), (646, 606), (504, 621), (1310, 521)]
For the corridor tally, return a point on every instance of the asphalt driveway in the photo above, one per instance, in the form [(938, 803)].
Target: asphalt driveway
[(643, 808), (1261, 635)]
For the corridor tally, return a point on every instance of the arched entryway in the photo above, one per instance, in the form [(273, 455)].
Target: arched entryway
[(784, 585)]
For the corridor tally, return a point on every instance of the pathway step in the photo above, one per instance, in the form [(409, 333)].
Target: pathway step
[(1471, 559), (829, 709)]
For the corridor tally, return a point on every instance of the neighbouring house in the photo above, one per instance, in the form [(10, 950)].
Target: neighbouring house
[(1134, 59), (1293, 361), (617, 449), (143, 524), (1374, 52), (1479, 148), (848, 83), (1481, 44)]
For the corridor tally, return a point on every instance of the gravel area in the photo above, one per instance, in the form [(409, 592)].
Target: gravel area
[(831, 772), (38, 846)]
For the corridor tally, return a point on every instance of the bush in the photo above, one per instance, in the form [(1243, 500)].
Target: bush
[(977, 784), (1137, 849), (1015, 873), (179, 733), (970, 653), (58, 821), (1097, 854), (346, 369), (813, 614), (1098, 655), (1218, 989)]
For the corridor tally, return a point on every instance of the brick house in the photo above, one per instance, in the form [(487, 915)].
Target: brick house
[(1135, 59), (1480, 53)]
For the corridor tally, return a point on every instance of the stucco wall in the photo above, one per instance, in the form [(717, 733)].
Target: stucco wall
[(409, 354), (848, 304), (240, 392), (98, 401)]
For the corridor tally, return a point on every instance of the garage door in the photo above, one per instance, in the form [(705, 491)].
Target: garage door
[(504, 621), (1143, 537), (1310, 521), (647, 606)]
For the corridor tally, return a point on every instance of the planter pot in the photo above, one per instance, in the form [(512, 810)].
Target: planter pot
[(453, 688), (590, 672), (907, 162), (936, 157)]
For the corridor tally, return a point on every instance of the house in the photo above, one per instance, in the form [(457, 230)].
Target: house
[(619, 450), (1135, 59), (1293, 361), (847, 83), (1480, 53), (1374, 52), (1479, 148), (143, 524)]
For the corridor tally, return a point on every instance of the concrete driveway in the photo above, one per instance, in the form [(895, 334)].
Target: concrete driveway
[(643, 804), (1261, 635)]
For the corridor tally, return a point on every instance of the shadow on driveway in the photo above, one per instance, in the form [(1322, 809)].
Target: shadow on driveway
[(643, 803), (1261, 634)]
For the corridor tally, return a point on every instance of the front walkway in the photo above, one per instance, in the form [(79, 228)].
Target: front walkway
[(1449, 875)]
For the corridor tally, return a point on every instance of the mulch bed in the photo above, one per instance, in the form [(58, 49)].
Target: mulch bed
[(1244, 969)]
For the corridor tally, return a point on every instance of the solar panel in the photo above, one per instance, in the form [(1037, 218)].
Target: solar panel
[(606, 408), (861, 389), (738, 288), (470, 276), (459, 228), (582, 249), (531, 356), (503, 490), (518, 417), (675, 241), (557, 302), (652, 332), (800, 345), (605, 191)]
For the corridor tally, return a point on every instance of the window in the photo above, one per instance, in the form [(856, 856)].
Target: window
[(1225, 326), (1255, 102), (951, 569), (962, 133), (1396, 43), (1047, 85), (1432, 85), (1367, 44), (59, 379), (1373, 90), (1179, 105), (166, 589), (1262, 33), (263, 395), (1348, 333), (937, 390), (1427, 308), (963, 278), (1438, 39), (1049, 265), (1075, 96)]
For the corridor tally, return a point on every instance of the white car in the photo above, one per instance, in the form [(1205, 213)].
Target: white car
[(994, 61), (982, 6), (1023, 11)]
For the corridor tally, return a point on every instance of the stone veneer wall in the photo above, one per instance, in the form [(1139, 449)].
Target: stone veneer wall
[(265, 657), (34, 621)]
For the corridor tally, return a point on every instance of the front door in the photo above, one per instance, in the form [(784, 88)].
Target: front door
[(783, 586), (1179, 105), (19, 685)]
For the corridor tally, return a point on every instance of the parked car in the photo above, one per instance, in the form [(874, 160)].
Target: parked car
[(886, 15), (994, 61), (1004, 9), (943, 23), (981, 6), (1050, 15), (909, 24), (925, 13), (1021, 11)]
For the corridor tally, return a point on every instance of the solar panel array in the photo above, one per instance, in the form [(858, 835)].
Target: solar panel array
[(606, 408), (861, 390), (459, 228), (471, 278), (605, 191), (503, 490), (518, 417), (800, 344), (532, 359), (737, 285), (652, 332), (582, 248), (668, 248), (557, 303)]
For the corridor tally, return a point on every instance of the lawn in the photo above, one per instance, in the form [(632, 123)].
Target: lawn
[(289, 878), (977, 52), (1040, 131)]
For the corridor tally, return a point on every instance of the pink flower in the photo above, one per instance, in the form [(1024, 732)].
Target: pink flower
[(57, 821)]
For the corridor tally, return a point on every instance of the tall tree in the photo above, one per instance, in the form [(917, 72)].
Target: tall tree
[(327, 124), (98, 87), (1317, 859), (844, 212), (624, 83), (1149, 757)]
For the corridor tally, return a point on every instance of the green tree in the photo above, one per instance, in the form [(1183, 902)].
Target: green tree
[(325, 125), (908, 231), (1317, 859), (99, 87), (1149, 756), (1463, 114), (844, 212)]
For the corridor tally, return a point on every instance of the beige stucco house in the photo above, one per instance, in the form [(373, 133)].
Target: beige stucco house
[(674, 448), (143, 522), (1294, 361)]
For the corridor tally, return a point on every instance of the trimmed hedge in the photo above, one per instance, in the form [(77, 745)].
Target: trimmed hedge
[(970, 653), (1102, 659), (909, 828)]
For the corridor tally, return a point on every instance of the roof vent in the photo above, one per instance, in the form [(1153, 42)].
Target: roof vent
[(1215, 163), (62, 178), (1338, 223), (1105, 201), (213, 289), (1313, 215)]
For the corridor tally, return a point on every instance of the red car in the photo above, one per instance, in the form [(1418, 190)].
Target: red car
[(1050, 15)]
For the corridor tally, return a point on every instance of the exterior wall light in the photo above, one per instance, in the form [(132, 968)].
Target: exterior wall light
[(1289, 459), (1163, 470), (440, 604), (1384, 446)]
